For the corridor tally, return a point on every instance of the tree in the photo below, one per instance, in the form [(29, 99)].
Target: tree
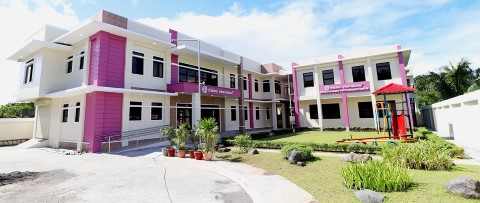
[(17, 110)]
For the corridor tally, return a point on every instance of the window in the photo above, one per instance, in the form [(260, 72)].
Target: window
[(69, 64), (157, 67), (156, 111), (365, 110), (189, 73), (244, 83), (28, 72), (266, 86), (82, 60), (77, 112), (330, 111), (257, 113), (65, 113), (313, 111), (245, 112), (408, 83), (328, 78), (232, 81), (267, 113), (358, 73), (233, 113), (278, 88), (256, 85), (135, 111), (383, 71), (308, 79), (137, 63)]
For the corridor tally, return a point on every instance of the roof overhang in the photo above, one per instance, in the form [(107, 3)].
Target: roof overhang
[(33, 46), (90, 88), (90, 27), (191, 52)]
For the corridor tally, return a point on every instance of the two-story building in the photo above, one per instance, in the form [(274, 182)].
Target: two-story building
[(336, 91), (111, 74)]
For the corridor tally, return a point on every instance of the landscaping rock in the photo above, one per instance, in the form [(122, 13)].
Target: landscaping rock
[(295, 156), (253, 151), (352, 157), (369, 196), (224, 149), (300, 163), (464, 186)]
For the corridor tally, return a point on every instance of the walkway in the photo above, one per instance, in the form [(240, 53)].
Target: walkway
[(138, 176)]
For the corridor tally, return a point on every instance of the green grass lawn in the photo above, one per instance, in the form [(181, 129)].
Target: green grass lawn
[(320, 136), (322, 179)]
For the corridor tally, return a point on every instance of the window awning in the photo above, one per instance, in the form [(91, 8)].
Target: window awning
[(33, 46)]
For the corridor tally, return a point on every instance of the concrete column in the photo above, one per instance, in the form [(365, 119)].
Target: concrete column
[(195, 109), (316, 82), (369, 77), (273, 114), (241, 118), (346, 118)]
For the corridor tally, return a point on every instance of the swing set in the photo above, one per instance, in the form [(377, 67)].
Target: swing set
[(393, 118)]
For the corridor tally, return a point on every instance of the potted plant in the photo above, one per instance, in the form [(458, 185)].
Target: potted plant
[(169, 132), (208, 131), (182, 133), (198, 154), (195, 140), (191, 152)]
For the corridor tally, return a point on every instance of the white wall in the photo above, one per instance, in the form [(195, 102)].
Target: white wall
[(146, 121), (457, 118), (229, 124), (394, 69), (353, 111), (16, 128), (66, 131)]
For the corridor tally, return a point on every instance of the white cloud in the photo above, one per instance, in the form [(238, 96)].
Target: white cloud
[(19, 22), (305, 29)]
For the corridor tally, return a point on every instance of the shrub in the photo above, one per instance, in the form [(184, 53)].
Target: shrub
[(305, 150), (259, 135), (376, 175), (243, 142), (169, 132), (282, 131), (425, 155), (453, 150)]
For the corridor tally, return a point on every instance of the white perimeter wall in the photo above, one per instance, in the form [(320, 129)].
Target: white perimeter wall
[(457, 118), (16, 128)]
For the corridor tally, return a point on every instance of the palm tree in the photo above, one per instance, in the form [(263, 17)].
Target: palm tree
[(459, 77), (208, 131)]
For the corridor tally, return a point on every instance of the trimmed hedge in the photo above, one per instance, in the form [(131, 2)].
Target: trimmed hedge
[(357, 148)]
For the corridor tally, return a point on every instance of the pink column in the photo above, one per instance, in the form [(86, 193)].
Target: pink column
[(174, 59), (403, 75), (346, 119), (252, 119), (250, 90), (295, 97)]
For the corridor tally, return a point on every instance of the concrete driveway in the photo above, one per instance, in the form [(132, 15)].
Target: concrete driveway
[(138, 176)]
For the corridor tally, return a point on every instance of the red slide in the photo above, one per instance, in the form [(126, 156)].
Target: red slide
[(402, 130)]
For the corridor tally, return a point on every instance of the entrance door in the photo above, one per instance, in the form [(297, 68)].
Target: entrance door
[(211, 111), (184, 114), (280, 116)]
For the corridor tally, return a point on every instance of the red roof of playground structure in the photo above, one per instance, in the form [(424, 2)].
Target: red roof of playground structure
[(394, 88)]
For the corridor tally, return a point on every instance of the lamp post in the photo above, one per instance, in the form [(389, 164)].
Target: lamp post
[(198, 74)]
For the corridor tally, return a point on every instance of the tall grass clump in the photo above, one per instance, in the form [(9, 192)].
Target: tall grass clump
[(306, 151), (424, 155), (243, 142), (376, 175)]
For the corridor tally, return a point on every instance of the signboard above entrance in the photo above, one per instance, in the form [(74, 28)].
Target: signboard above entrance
[(186, 87), (345, 88)]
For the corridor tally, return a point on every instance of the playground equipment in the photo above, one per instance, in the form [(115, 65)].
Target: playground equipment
[(393, 118)]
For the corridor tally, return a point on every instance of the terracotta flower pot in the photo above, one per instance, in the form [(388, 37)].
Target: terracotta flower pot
[(192, 154), (207, 156), (182, 153), (171, 152), (198, 155)]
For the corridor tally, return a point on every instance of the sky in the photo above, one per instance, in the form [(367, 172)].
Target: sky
[(437, 31)]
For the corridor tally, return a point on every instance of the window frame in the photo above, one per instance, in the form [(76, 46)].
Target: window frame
[(160, 69), (233, 113), (135, 105), (325, 79), (267, 113), (355, 72), (256, 85), (232, 81), (138, 69), (257, 113), (29, 68), (65, 113), (245, 113), (266, 85), (81, 63), (209, 76), (327, 115), (77, 112), (361, 112), (313, 111), (156, 106), (245, 83), (384, 66), (309, 82), (277, 86), (69, 62)]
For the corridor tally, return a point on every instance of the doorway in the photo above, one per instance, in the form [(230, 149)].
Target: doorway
[(184, 114), (211, 111), (280, 116)]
